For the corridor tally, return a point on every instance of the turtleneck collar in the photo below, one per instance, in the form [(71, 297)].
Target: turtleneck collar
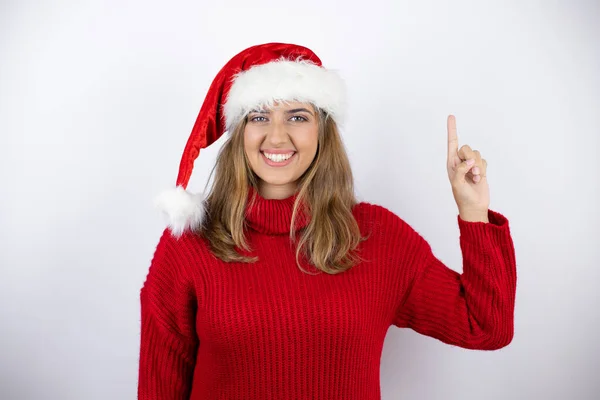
[(273, 216)]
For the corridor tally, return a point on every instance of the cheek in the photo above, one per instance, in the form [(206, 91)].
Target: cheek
[(251, 142), (308, 143)]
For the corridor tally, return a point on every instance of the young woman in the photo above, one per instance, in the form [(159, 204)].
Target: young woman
[(278, 284)]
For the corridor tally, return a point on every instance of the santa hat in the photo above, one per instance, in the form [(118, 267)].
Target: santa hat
[(257, 77)]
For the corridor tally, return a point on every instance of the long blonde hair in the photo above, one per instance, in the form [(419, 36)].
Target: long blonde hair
[(331, 238)]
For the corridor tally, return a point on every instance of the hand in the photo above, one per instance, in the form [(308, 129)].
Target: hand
[(468, 180)]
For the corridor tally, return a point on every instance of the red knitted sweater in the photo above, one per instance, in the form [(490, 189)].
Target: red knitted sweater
[(216, 330)]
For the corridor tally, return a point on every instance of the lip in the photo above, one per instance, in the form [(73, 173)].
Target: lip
[(278, 164), (277, 151)]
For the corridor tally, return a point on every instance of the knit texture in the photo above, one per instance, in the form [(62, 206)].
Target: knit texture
[(216, 330)]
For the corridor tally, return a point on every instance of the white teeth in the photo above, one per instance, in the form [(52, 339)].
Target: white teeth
[(278, 157)]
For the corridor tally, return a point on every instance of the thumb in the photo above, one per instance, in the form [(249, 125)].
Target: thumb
[(463, 168)]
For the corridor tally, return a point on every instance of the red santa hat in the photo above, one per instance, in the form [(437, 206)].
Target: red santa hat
[(256, 77)]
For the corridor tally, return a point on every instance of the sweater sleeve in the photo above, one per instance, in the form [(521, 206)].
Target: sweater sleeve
[(473, 310), (168, 338)]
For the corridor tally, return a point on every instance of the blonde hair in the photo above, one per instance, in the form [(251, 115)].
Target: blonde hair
[(331, 238)]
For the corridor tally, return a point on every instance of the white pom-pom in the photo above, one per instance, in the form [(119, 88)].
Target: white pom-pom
[(182, 209)]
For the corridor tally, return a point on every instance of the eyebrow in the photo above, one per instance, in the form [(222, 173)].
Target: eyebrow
[(295, 110)]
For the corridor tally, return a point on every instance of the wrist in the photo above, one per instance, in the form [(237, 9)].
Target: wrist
[(474, 216)]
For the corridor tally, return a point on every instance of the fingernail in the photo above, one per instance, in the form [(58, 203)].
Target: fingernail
[(470, 161)]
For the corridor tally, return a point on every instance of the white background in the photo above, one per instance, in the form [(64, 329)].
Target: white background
[(97, 99)]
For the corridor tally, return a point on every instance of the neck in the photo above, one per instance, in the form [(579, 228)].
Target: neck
[(273, 216), (276, 192)]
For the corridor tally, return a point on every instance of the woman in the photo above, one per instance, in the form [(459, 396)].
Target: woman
[(279, 284)]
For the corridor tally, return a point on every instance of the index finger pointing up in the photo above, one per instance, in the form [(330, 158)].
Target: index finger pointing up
[(452, 137)]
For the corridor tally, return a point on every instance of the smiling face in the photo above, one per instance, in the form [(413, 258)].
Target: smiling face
[(280, 144)]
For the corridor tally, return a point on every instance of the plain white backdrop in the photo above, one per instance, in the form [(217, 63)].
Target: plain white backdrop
[(97, 99)]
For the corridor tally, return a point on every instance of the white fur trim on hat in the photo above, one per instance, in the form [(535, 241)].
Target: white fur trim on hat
[(285, 80), (182, 209)]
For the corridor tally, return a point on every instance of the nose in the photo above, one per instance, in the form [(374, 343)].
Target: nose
[(276, 133)]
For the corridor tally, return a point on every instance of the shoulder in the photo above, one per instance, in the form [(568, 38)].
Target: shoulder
[(365, 209), (383, 222), (375, 215), (187, 244), (178, 257)]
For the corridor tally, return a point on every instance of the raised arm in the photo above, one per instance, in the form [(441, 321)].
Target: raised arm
[(473, 310)]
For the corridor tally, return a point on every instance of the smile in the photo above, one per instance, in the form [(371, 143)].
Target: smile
[(278, 160)]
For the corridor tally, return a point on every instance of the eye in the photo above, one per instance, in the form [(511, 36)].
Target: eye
[(258, 119), (300, 118)]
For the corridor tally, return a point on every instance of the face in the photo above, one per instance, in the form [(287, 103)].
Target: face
[(281, 143)]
